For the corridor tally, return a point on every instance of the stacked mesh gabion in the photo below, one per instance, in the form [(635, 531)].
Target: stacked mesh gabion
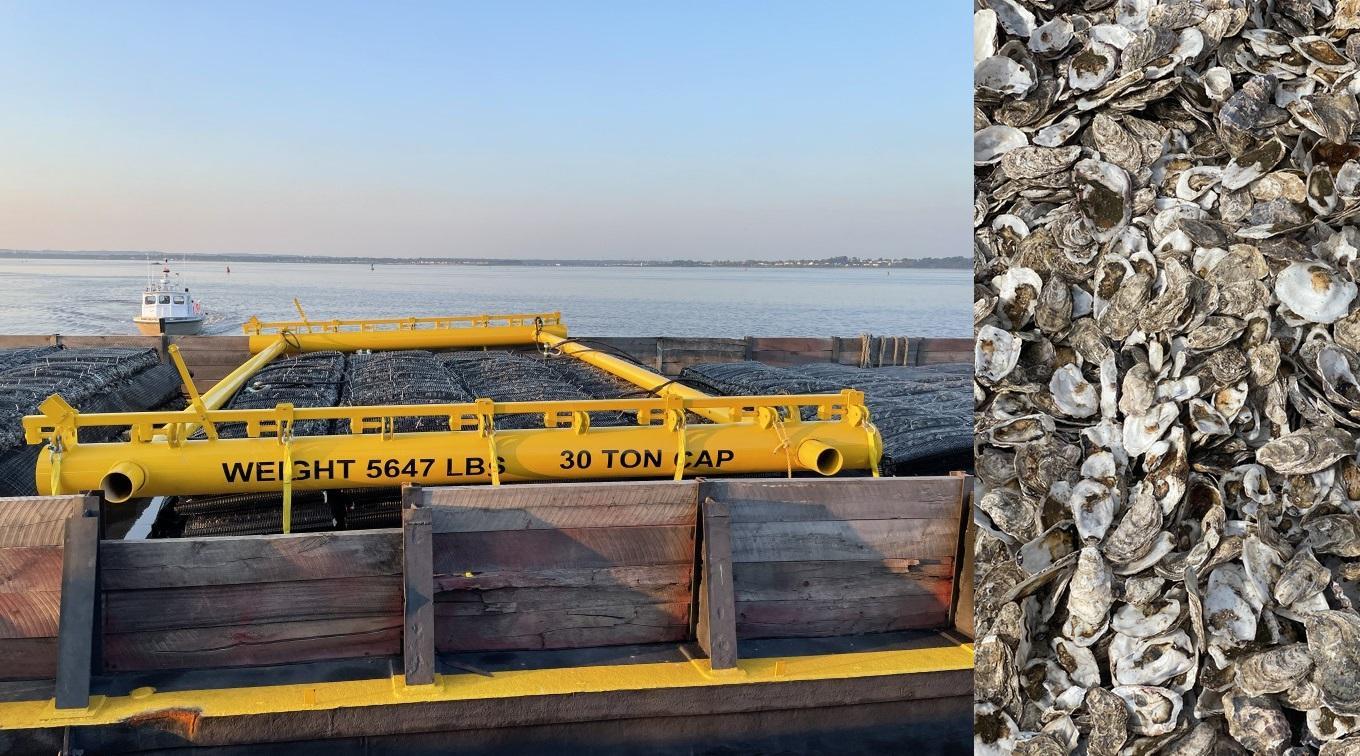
[(91, 380), (923, 413), (405, 377), (314, 379), (516, 377)]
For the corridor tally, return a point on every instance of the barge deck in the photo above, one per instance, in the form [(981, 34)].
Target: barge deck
[(797, 614)]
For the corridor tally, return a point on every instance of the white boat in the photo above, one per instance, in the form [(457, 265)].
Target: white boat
[(167, 308)]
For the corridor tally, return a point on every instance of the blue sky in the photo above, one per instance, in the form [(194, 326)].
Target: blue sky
[(492, 129)]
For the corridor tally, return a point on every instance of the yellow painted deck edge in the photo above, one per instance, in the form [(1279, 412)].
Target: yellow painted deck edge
[(227, 702)]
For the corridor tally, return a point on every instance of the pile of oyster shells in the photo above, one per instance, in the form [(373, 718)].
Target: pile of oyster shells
[(1167, 377)]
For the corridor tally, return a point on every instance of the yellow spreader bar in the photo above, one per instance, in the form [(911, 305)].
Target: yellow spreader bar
[(277, 699)]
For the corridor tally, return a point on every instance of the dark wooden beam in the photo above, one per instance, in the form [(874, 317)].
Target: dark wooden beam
[(78, 625), (418, 571), (963, 560), (716, 629)]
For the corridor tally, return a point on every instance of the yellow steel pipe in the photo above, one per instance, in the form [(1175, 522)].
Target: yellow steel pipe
[(405, 338), (817, 456), (634, 374), (129, 470), (122, 481), (222, 391)]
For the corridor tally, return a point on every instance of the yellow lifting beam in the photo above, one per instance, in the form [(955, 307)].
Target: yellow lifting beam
[(371, 455), (634, 374), (456, 332), (749, 434)]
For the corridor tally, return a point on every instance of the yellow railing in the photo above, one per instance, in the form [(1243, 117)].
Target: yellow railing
[(257, 327)]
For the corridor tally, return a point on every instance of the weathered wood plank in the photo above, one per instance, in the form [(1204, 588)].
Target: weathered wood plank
[(18, 342), (796, 619), (846, 540), (30, 568), (567, 628), (249, 604), (561, 495), (28, 658), (854, 499), (36, 520), (566, 548), (509, 600), (961, 606), (946, 345), (106, 342), (792, 344), (212, 343), (716, 629), (808, 620), (273, 643), (229, 359), (417, 559), (473, 519), (77, 627), (947, 358), (562, 505), (644, 578), (32, 614), (249, 559), (805, 581)]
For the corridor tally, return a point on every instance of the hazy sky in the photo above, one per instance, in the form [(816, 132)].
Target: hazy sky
[(489, 129)]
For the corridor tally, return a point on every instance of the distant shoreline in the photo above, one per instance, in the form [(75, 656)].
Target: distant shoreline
[(925, 263)]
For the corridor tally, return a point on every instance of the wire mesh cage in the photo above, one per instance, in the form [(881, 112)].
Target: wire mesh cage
[(924, 414), (516, 377)]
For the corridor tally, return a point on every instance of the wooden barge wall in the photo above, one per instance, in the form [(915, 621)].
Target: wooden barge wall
[(520, 567), (528, 567), (212, 357)]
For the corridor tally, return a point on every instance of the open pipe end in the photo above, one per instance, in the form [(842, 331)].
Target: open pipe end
[(820, 458), (122, 482)]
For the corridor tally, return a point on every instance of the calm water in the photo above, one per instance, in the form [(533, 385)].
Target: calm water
[(98, 297)]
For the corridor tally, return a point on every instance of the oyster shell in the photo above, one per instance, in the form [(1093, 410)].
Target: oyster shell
[(1315, 292), (1334, 642), (1306, 451), (1168, 385), (1274, 670), (1152, 710)]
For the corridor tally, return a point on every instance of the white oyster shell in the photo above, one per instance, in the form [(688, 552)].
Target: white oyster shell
[(991, 143), (1314, 291), (995, 354), (1152, 710), (1073, 394)]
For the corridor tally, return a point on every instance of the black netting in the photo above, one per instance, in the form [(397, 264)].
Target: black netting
[(81, 376), (520, 377), (314, 379), (17, 356), (405, 377), (147, 390), (16, 471), (91, 380), (595, 382), (362, 508), (923, 413), (245, 514)]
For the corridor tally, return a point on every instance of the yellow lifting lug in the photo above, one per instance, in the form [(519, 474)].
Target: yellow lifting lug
[(486, 426), (54, 449), (58, 419), (195, 400), (767, 417), (578, 421), (675, 421), (298, 306), (286, 440)]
